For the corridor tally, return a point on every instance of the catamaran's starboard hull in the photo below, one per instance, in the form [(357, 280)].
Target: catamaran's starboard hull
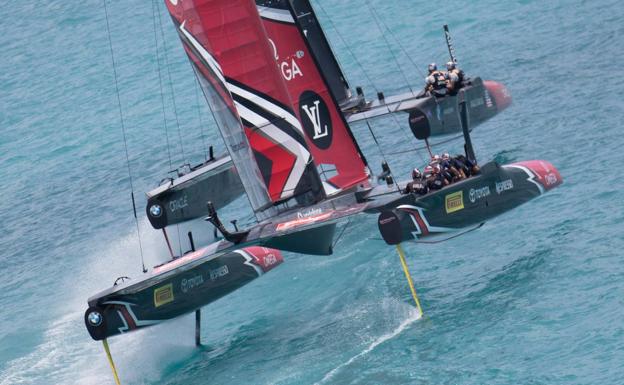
[(468, 203), (176, 288), (440, 115), (185, 198)]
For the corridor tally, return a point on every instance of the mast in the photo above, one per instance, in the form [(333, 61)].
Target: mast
[(328, 135), (449, 44), (321, 49), (231, 56), (319, 45), (465, 124)]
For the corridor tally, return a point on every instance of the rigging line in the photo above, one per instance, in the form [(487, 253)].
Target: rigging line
[(383, 156), (175, 108), (331, 47), (389, 47), (406, 133), (412, 137), (160, 83), (342, 232), (364, 70), (415, 144), (201, 123), (347, 47), (123, 130), (425, 147), (398, 42)]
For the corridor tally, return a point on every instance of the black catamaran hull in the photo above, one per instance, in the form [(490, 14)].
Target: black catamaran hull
[(440, 115), (185, 198), (471, 202), (176, 288)]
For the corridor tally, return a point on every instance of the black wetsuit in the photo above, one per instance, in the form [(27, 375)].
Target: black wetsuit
[(448, 171), (417, 186), (438, 87), (466, 164), (435, 182)]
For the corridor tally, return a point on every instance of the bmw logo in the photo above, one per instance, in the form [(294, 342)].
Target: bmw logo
[(155, 211), (95, 318)]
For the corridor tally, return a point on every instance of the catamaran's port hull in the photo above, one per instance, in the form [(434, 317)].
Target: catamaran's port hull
[(440, 115), (465, 204), (176, 288)]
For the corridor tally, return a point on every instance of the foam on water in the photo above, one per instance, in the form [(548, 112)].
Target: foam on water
[(68, 355), (414, 316)]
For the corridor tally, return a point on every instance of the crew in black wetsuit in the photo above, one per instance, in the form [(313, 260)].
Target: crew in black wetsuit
[(469, 167), (434, 180), (417, 185), (448, 164), (439, 167), (436, 81)]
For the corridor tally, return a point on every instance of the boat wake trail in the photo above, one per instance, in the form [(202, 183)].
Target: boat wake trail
[(66, 353), (414, 316)]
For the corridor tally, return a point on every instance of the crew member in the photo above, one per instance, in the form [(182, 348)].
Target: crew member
[(447, 163), (435, 160), (469, 166), (434, 179), (436, 163), (436, 81), (455, 78), (444, 173), (417, 185)]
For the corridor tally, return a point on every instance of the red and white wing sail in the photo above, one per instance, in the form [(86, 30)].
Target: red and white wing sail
[(328, 136), (227, 44)]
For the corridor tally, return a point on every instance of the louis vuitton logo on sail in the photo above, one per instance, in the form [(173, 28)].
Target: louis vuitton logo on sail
[(320, 130), (316, 119)]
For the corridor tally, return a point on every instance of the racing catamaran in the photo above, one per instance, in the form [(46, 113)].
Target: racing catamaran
[(299, 164), (436, 115)]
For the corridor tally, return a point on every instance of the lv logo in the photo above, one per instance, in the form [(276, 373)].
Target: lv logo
[(314, 116)]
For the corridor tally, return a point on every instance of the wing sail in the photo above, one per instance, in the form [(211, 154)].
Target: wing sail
[(334, 149), (227, 45)]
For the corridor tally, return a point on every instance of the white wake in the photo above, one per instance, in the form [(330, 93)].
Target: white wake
[(414, 316), (68, 355)]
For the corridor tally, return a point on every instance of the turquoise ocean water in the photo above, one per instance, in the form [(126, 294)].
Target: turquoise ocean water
[(534, 297)]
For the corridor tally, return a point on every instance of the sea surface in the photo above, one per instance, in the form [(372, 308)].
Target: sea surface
[(536, 296)]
